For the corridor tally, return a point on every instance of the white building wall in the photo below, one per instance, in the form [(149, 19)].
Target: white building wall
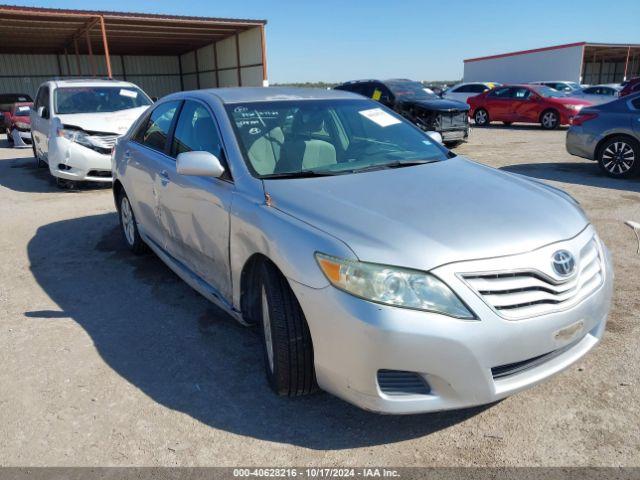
[(558, 64)]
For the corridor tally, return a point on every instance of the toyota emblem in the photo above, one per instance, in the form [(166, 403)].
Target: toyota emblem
[(563, 263)]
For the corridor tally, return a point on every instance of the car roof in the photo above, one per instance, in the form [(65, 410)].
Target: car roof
[(269, 94), (91, 82)]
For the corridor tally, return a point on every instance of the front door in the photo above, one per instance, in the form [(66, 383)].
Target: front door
[(194, 210), (40, 121), (146, 155)]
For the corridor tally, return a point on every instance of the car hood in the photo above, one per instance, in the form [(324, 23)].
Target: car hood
[(107, 122), (428, 215), (440, 105)]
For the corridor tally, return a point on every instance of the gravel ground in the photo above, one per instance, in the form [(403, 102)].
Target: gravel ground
[(110, 359)]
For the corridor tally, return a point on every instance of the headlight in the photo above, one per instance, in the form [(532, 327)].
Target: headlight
[(77, 136), (575, 108), (394, 286), (23, 126)]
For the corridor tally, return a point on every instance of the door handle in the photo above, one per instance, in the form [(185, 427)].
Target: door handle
[(164, 177), (127, 154)]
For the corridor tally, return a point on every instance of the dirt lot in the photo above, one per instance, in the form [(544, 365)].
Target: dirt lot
[(109, 359)]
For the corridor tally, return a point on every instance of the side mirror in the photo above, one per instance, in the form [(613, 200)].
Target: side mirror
[(202, 164), (43, 112), (154, 99)]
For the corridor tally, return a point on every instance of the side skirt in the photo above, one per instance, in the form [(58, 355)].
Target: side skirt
[(193, 280)]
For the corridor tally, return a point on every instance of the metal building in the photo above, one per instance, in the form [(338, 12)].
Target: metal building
[(581, 62), (160, 53)]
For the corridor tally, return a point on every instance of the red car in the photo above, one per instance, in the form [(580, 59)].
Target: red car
[(17, 124), (630, 86), (525, 103)]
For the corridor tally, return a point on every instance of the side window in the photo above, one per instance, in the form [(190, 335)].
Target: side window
[(636, 103), (479, 88), (504, 92), (196, 131), (42, 98), (591, 91), (521, 93), (462, 89), (155, 131)]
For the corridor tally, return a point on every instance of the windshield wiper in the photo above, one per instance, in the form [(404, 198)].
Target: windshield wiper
[(301, 174), (396, 164)]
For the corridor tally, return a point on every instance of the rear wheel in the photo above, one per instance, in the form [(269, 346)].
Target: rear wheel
[(549, 119), (619, 157), (288, 350), (481, 117), (129, 226)]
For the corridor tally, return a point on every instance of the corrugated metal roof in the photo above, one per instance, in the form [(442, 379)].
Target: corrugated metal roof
[(50, 30)]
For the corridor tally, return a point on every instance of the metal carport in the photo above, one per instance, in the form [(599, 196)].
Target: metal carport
[(160, 53)]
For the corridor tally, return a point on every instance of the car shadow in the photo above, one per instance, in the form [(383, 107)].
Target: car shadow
[(579, 173), (184, 353), (22, 175)]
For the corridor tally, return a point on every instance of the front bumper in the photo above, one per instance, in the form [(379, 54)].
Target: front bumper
[(353, 339), (21, 138), (71, 161)]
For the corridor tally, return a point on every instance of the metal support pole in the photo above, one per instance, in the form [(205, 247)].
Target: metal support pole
[(215, 63), (91, 57), (264, 56), (195, 56), (180, 70), (105, 44), (626, 64), (66, 57), (124, 72), (238, 59), (75, 44)]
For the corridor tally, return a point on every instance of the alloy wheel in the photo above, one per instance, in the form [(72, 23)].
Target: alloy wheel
[(127, 220), (549, 120), (618, 158), (266, 325), (481, 117)]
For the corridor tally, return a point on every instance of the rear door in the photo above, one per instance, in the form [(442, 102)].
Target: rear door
[(194, 210), (146, 158), (499, 104)]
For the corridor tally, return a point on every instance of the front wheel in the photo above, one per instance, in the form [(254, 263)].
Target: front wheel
[(39, 162), (288, 351), (619, 157), (129, 226), (550, 120), (481, 117)]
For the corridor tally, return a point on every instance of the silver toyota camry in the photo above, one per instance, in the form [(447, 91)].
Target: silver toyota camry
[(378, 265)]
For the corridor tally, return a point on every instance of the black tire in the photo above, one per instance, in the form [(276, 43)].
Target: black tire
[(481, 117), (129, 227), (508, 124), (619, 157), (39, 162), (550, 119), (454, 144), (289, 366), (64, 184), (10, 139)]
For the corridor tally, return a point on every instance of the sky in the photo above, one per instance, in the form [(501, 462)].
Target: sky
[(339, 40)]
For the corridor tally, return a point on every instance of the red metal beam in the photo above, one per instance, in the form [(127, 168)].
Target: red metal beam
[(264, 54), (105, 44)]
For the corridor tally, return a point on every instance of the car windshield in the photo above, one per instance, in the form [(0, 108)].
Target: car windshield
[(98, 99), (548, 92), (14, 98), (327, 137), (409, 89)]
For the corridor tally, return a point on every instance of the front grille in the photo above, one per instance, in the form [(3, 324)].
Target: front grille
[(99, 173), (452, 120), (522, 294), (104, 141), (509, 369), (397, 382)]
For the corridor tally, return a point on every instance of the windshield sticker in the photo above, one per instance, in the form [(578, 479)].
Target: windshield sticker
[(23, 109), (377, 93), (426, 142), (128, 93), (380, 117)]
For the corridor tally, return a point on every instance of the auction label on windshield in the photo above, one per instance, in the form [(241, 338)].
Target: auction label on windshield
[(379, 116)]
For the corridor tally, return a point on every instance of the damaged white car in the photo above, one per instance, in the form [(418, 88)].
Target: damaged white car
[(75, 124)]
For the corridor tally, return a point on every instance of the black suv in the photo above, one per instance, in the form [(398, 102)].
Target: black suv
[(410, 99)]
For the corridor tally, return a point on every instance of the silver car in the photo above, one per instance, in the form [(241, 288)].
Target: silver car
[(379, 266), (598, 94), (610, 134)]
